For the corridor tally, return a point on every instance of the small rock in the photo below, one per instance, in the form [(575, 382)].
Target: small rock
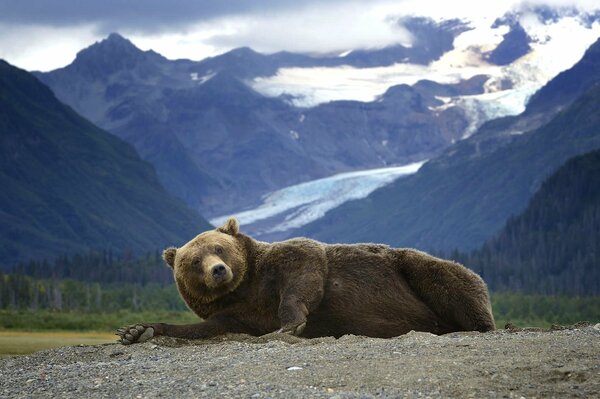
[(116, 353)]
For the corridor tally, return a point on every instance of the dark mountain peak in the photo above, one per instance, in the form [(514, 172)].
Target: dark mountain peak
[(244, 52), (116, 38), (113, 45), (514, 45), (242, 62), (111, 55)]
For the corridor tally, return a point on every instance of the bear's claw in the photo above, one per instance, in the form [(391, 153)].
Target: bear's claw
[(292, 330), (134, 334)]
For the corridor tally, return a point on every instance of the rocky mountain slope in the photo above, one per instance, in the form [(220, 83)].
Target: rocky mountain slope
[(69, 186)]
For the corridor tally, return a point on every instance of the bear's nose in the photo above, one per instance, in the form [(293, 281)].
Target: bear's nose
[(218, 270)]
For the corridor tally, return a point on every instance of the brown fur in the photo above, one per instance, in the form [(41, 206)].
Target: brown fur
[(308, 288)]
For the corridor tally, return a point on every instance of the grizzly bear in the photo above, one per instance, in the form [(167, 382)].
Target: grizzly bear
[(307, 288)]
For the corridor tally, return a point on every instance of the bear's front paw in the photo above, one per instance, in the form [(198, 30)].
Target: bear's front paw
[(295, 329), (135, 334)]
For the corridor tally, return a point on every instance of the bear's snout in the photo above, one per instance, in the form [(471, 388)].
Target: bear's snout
[(219, 271)]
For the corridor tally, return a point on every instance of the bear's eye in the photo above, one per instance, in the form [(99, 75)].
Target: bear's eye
[(197, 264), (218, 250)]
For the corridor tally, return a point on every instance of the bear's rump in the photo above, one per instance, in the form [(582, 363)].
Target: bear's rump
[(366, 295)]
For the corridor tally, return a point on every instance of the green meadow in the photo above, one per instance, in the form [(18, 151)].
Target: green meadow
[(27, 331), (23, 332), (16, 342)]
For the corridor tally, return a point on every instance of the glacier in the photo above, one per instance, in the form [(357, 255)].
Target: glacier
[(296, 205)]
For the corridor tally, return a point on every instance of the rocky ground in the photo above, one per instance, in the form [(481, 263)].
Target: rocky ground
[(563, 362)]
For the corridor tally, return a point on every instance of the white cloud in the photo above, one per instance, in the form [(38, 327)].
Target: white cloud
[(323, 29), (42, 47), (293, 26), (327, 28)]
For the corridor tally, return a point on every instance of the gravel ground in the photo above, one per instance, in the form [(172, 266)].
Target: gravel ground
[(509, 363)]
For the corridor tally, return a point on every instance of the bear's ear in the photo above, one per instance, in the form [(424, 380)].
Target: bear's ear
[(231, 227), (169, 256)]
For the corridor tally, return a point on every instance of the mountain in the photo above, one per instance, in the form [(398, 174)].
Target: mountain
[(220, 145), (115, 85), (69, 186), (227, 131), (553, 247), (463, 197)]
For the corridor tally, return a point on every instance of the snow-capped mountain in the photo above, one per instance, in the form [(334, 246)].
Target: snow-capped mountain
[(519, 52), (463, 197)]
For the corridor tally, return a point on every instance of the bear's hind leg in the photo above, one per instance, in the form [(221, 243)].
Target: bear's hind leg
[(453, 292)]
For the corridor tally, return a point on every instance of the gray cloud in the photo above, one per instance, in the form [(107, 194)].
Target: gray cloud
[(141, 15)]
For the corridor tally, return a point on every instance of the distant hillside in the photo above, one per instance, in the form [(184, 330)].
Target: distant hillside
[(462, 198), (69, 186), (553, 247)]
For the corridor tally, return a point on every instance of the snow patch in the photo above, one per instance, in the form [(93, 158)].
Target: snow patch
[(202, 79)]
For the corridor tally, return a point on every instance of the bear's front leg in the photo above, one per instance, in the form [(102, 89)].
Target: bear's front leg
[(138, 333), (301, 296), (301, 269), (292, 314)]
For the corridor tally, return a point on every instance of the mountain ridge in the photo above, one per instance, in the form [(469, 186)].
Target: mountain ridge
[(70, 186)]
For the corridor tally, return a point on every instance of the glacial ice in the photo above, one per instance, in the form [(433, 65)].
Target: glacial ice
[(302, 203)]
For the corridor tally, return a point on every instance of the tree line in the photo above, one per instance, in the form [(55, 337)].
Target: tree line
[(18, 291), (100, 267), (96, 281)]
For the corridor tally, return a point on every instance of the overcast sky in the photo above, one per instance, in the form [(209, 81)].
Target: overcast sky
[(47, 34)]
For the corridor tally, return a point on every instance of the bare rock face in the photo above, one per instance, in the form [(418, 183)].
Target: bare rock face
[(509, 363)]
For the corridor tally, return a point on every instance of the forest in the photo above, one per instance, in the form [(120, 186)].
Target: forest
[(553, 247)]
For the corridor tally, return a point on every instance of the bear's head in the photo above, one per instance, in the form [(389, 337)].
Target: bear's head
[(209, 266)]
